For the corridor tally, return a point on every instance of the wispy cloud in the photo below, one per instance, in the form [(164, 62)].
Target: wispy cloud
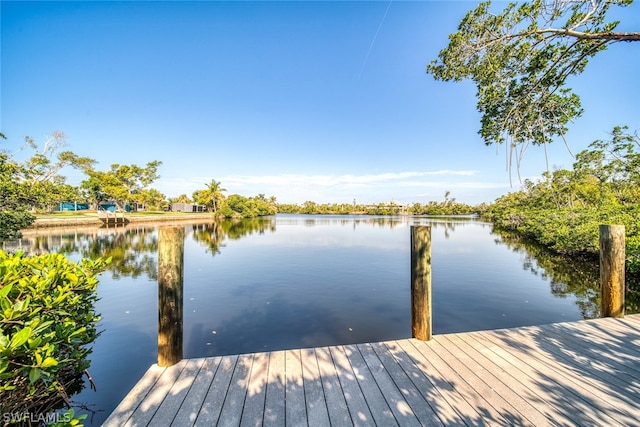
[(404, 186), (336, 180)]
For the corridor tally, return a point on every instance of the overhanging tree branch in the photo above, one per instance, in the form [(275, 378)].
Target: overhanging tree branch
[(628, 37), (520, 61)]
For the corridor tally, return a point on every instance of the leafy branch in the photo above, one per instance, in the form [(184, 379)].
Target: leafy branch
[(520, 61)]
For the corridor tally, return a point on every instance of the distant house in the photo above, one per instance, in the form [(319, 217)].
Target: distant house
[(72, 206), (104, 206), (112, 207), (187, 207)]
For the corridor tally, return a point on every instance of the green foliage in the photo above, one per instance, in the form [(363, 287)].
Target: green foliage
[(564, 210), (182, 198), (47, 321), (39, 184), (34, 184), (44, 164), (520, 60), (236, 206), (447, 207), (12, 222), (68, 419), (122, 183), (151, 198), (15, 199), (211, 196)]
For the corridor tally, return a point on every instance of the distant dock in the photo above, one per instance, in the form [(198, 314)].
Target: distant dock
[(112, 217), (584, 373)]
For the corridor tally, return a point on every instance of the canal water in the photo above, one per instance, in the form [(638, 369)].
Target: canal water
[(293, 281)]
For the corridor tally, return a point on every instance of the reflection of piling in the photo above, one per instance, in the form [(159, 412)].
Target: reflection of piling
[(170, 284), (421, 282), (612, 259)]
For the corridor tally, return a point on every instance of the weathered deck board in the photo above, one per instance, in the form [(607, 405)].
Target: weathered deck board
[(333, 393), (274, 411), (583, 373), (197, 393), (356, 403), (593, 406), (212, 405), (295, 408)]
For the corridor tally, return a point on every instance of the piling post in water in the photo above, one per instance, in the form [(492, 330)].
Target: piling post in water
[(612, 259), (421, 282), (170, 286)]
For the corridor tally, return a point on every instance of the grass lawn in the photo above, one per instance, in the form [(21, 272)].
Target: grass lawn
[(90, 214), (66, 214)]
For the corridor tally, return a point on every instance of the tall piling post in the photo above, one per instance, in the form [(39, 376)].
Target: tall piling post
[(421, 282), (170, 289), (612, 276)]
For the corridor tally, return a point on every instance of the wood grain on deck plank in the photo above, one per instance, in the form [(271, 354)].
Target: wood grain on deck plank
[(578, 373)]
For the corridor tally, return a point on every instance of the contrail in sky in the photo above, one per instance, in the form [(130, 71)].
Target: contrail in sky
[(374, 39)]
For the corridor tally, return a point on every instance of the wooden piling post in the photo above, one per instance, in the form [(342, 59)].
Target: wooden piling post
[(170, 285), (612, 259), (421, 282)]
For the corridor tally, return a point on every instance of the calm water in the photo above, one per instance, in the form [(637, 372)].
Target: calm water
[(298, 281)]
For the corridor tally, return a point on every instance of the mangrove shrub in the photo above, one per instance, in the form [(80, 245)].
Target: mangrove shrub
[(47, 322)]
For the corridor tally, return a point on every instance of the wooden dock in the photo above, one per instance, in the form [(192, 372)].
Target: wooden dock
[(584, 373), (112, 217)]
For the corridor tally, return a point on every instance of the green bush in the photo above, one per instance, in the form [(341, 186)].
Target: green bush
[(12, 222), (47, 321)]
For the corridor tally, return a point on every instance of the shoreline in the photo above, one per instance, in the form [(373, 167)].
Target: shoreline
[(90, 219)]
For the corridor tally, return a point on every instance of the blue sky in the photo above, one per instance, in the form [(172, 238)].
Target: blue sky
[(325, 101)]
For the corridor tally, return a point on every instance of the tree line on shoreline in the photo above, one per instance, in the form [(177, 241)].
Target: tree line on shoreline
[(35, 185), (561, 211)]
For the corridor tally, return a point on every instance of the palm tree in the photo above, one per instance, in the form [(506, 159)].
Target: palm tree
[(211, 195)]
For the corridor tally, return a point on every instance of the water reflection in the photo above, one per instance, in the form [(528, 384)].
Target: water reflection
[(212, 235), (575, 276), (300, 280), (133, 248), (448, 224)]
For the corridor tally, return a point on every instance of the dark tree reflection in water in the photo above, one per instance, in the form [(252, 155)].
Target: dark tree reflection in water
[(577, 275)]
